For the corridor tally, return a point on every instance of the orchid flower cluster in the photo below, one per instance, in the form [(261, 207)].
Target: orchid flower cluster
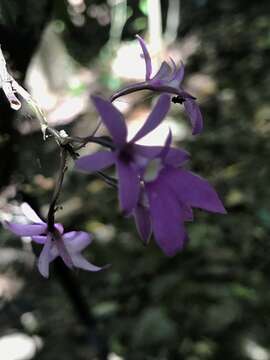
[(153, 185)]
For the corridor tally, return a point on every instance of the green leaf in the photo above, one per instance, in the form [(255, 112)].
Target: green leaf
[(143, 7)]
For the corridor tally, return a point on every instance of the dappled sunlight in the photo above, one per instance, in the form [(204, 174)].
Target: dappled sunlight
[(19, 346), (254, 351), (159, 135), (60, 87), (137, 206), (128, 63)]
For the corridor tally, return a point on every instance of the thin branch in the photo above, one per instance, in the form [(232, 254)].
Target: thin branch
[(82, 141), (58, 187), (108, 179)]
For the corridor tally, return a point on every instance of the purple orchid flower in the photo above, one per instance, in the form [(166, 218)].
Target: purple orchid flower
[(166, 201), (168, 79), (129, 158), (55, 243)]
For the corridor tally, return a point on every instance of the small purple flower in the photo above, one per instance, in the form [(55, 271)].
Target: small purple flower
[(55, 243), (168, 79), (166, 201), (129, 158)]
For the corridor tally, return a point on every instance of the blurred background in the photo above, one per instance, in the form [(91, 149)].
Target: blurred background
[(211, 301)]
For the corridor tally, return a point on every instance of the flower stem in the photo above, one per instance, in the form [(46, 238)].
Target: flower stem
[(58, 187), (82, 141), (129, 89)]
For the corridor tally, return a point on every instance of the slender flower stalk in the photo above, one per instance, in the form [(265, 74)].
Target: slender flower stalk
[(57, 189)]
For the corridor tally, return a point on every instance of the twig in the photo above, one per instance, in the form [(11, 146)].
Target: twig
[(82, 141), (58, 187), (108, 179)]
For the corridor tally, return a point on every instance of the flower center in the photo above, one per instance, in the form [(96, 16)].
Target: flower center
[(152, 170), (126, 154)]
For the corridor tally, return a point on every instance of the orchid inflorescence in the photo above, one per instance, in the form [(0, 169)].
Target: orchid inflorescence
[(153, 185)]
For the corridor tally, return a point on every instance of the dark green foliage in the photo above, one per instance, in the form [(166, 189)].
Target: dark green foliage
[(212, 299)]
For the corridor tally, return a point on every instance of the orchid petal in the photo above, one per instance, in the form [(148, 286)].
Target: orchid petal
[(195, 115), (166, 148), (129, 186), (165, 214), (143, 222), (63, 252), (44, 258), (175, 157), (76, 241), (30, 214), (147, 58), (155, 118), (164, 73), (186, 212), (53, 252), (112, 119), (69, 236), (25, 229), (95, 162), (39, 239), (80, 262), (179, 74), (59, 227), (193, 190)]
